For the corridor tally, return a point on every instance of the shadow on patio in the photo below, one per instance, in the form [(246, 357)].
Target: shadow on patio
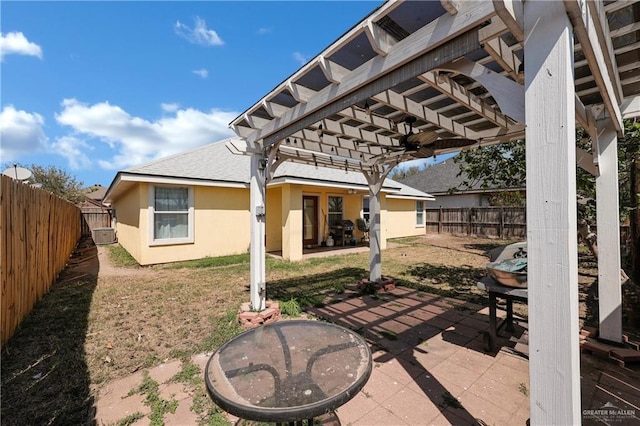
[(429, 350), (429, 363)]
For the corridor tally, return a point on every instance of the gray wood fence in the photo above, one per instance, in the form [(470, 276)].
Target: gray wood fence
[(92, 219), (500, 222)]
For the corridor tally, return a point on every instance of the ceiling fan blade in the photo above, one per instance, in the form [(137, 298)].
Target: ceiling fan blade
[(422, 138), (423, 152), (452, 143), (434, 148)]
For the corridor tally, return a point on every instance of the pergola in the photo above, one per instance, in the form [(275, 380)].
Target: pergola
[(415, 79)]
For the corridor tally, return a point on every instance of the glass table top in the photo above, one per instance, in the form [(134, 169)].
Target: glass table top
[(288, 371)]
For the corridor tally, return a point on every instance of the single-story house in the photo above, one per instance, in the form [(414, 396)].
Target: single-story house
[(443, 181), (196, 204)]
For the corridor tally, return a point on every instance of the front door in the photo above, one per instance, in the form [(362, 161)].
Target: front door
[(309, 220)]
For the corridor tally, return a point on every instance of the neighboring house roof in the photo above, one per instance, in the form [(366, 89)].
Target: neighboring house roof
[(96, 192), (89, 205), (215, 165), (442, 177)]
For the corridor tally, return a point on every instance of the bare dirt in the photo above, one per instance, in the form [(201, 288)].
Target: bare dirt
[(108, 269)]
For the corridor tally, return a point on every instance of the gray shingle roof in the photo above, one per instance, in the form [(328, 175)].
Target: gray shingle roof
[(440, 178), (215, 162)]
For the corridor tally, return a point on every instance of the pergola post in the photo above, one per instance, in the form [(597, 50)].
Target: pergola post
[(554, 364), (257, 249), (375, 238), (608, 230)]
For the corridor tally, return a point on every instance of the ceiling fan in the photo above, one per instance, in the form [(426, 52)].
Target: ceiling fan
[(427, 143)]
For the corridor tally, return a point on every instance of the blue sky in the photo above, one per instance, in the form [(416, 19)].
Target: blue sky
[(97, 87)]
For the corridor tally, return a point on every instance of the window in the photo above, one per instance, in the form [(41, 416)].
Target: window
[(365, 208), (171, 215), (419, 213), (335, 210)]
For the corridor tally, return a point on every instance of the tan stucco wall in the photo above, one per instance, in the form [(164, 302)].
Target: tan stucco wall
[(292, 222), (401, 221), (352, 205), (222, 226), (352, 209), (273, 226), (127, 210)]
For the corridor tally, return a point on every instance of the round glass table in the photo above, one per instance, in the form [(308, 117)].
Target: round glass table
[(288, 371)]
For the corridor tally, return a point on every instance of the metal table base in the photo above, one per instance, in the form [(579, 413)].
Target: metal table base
[(509, 294)]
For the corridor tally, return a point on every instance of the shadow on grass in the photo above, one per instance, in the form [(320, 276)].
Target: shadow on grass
[(45, 380), (473, 248), (487, 247), (450, 281), (318, 289), (630, 304)]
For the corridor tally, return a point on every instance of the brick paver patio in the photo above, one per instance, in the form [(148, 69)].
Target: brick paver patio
[(429, 369)]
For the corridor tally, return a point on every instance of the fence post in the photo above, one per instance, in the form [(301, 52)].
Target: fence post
[(440, 221), (501, 229), (469, 226)]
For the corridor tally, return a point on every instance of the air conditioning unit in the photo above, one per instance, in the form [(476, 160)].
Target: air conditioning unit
[(103, 235)]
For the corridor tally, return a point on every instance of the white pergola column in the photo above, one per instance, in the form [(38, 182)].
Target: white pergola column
[(375, 238), (257, 249), (608, 219), (554, 355)]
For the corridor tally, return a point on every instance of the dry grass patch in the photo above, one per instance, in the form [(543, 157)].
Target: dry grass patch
[(139, 322), (88, 331)]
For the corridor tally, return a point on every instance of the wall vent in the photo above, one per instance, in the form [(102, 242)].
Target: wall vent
[(103, 235)]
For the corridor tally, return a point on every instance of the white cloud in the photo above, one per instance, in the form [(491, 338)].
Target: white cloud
[(199, 34), (21, 133), (264, 30), (300, 58), (203, 73), (137, 140), (74, 150), (173, 107), (17, 43)]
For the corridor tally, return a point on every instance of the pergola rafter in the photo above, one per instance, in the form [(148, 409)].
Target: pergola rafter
[(461, 71)]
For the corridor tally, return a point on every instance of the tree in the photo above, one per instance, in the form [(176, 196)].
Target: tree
[(496, 166), (504, 166), (56, 181)]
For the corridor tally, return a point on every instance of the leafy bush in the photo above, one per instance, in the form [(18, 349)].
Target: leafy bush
[(291, 308)]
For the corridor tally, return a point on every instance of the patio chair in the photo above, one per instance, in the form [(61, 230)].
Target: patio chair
[(363, 226)]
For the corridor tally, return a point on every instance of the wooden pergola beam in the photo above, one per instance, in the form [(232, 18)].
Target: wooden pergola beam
[(462, 96), (404, 60), (587, 34)]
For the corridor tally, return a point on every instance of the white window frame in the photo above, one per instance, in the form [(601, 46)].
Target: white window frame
[(420, 214), (362, 212), (190, 218), (328, 211)]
